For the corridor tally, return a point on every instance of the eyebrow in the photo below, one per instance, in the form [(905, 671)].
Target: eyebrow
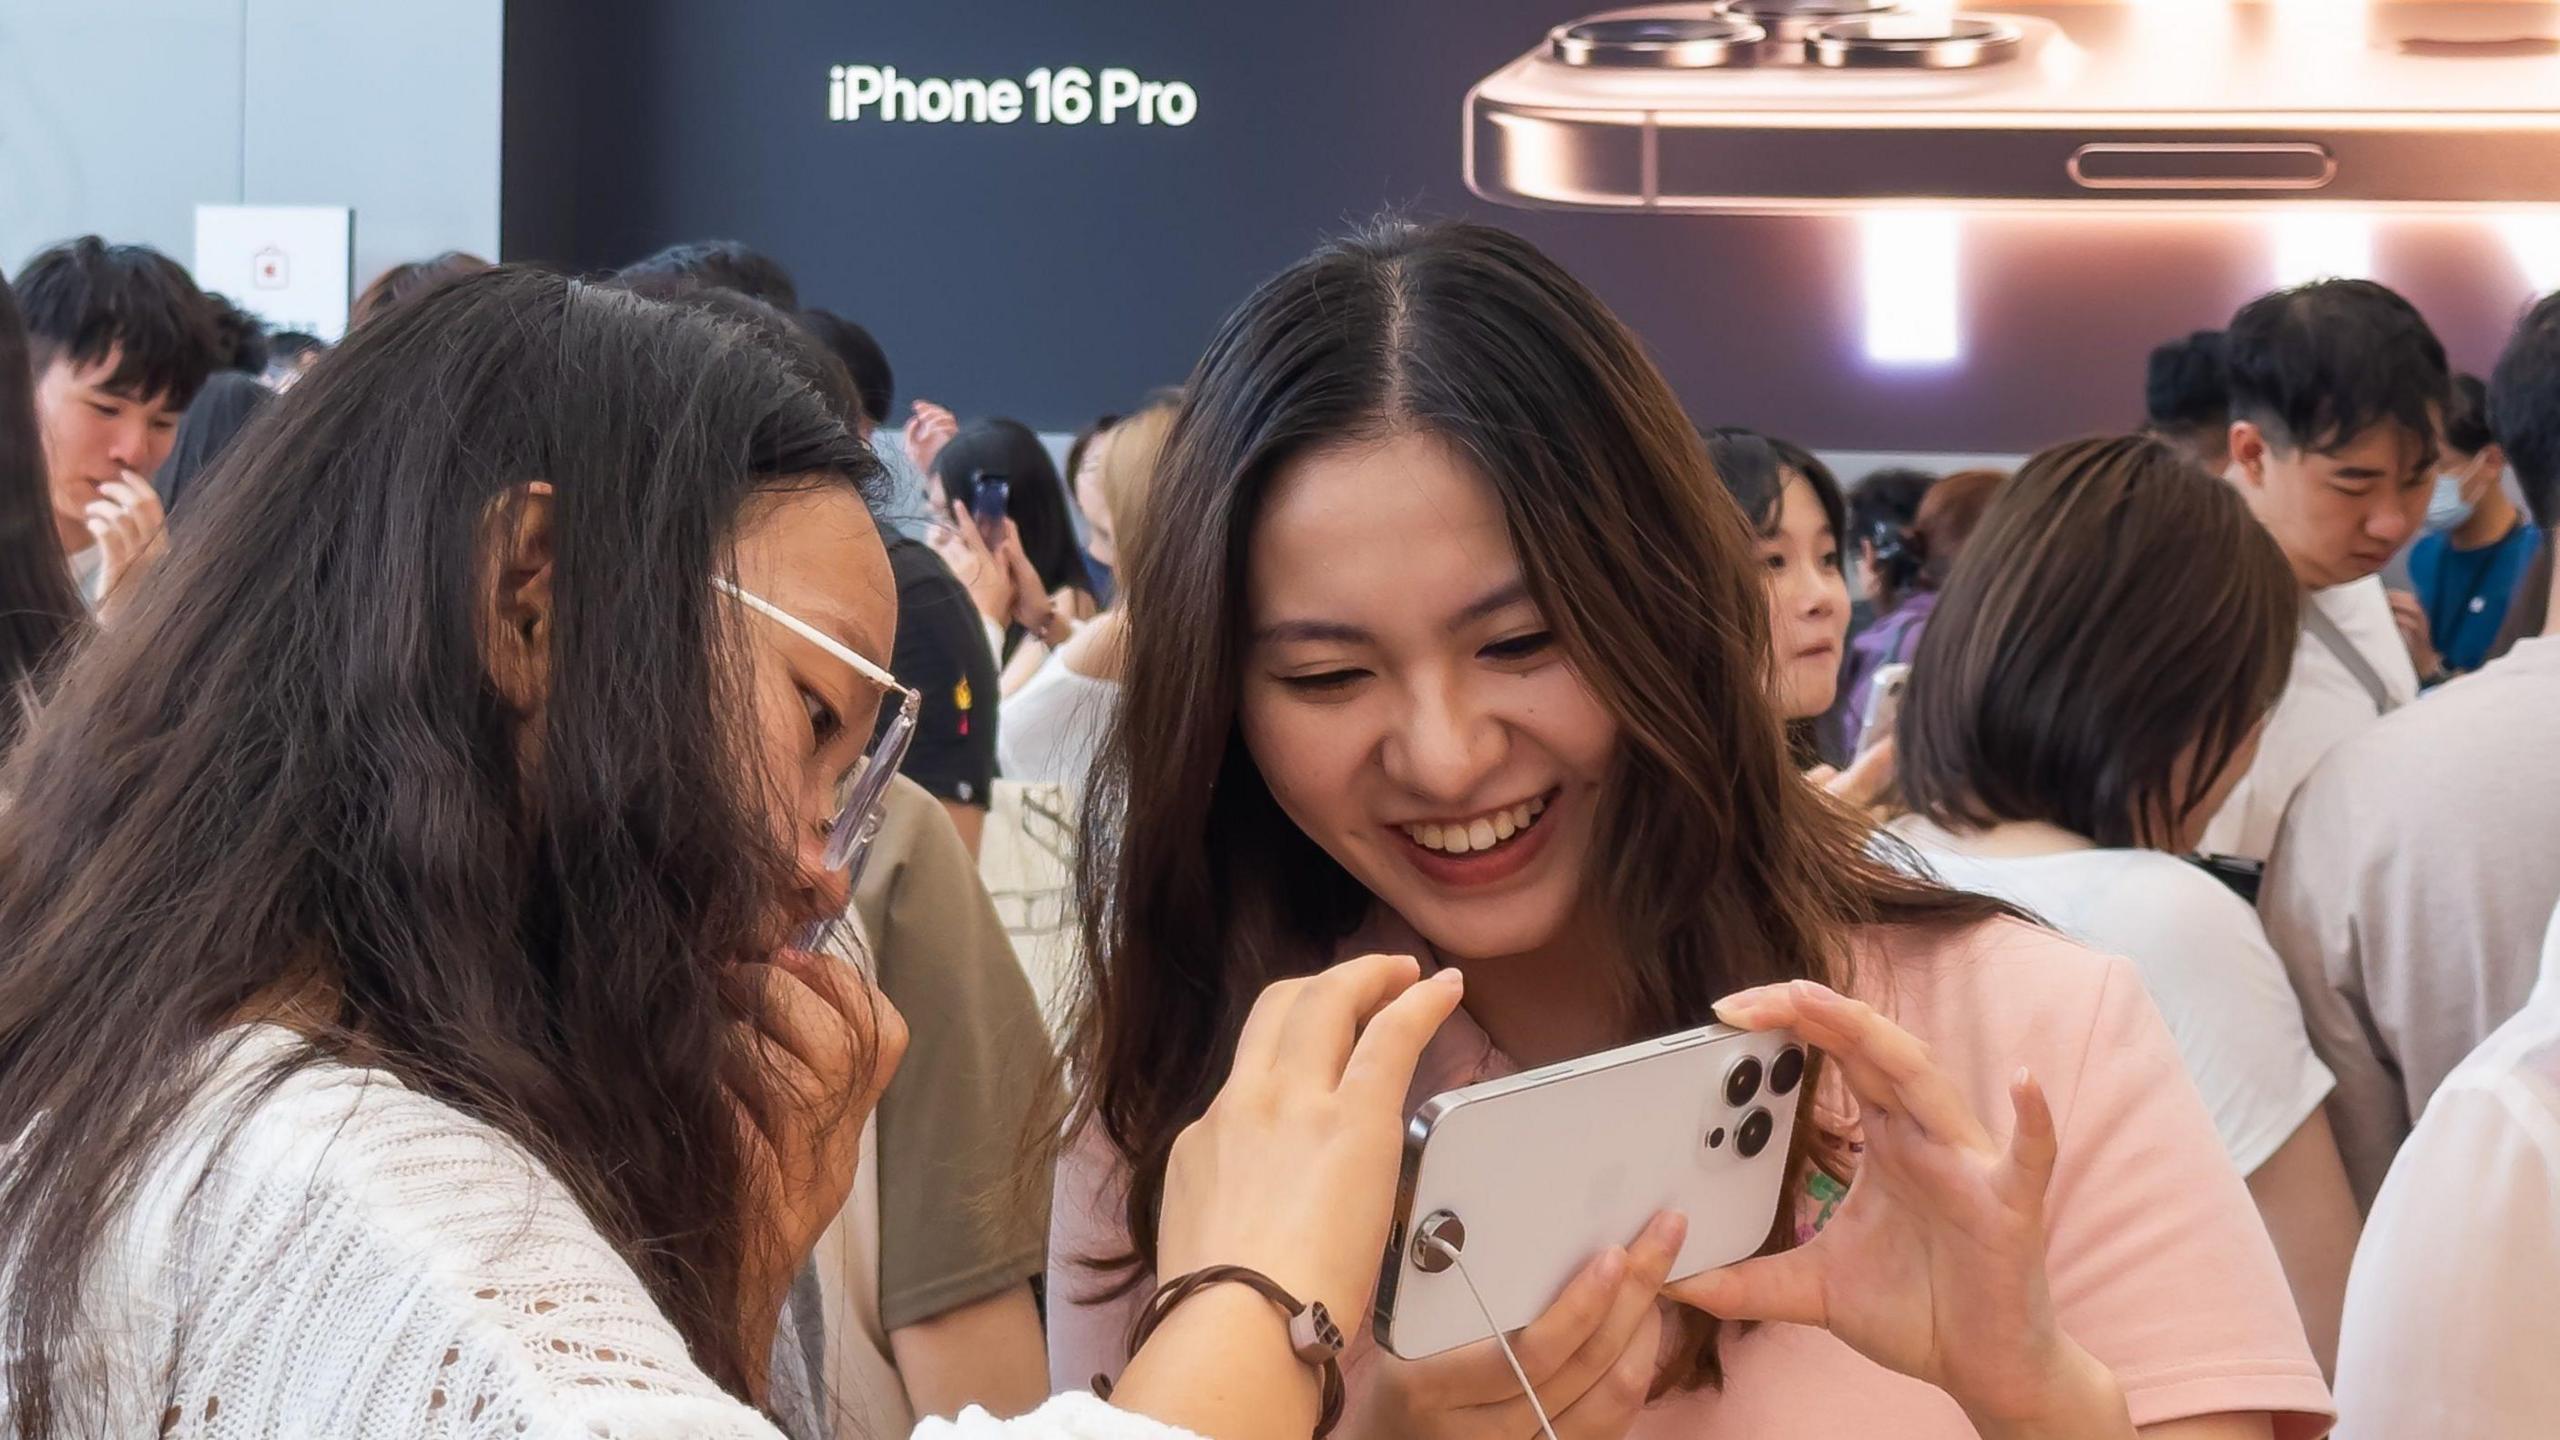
[(1285, 632)]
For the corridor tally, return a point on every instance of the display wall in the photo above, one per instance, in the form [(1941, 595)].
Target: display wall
[(1053, 270), (119, 117)]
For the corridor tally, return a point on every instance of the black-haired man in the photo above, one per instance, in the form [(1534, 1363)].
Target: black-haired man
[(2420, 861), (2186, 396), (2338, 392), (121, 341)]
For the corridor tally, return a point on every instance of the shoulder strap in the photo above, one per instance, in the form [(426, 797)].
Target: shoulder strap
[(2326, 631)]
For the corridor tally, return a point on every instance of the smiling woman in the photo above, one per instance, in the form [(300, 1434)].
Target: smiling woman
[(1464, 652)]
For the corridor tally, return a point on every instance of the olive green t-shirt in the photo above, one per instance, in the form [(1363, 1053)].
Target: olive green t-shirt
[(960, 1219)]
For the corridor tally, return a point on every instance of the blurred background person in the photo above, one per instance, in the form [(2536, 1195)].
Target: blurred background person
[(41, 613), (1028, 579), (121, 339), (1911, 565), (2092, 685), (2421, 856), (2338, 394), (2467, 569), (1054, 724)]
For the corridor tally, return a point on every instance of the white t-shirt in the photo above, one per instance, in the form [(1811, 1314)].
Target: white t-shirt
[(2454, 1299), (2323, 704), (2203, 958), (1053, 726), (363, 1259), (89, 573)]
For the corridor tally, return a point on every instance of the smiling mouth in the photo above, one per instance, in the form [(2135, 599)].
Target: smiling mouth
[(1489, 831)]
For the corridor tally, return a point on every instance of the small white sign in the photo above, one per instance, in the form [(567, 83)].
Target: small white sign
[(292, 266)]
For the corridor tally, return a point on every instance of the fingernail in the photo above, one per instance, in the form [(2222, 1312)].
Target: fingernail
[(1668, 1230), (1454, 979)]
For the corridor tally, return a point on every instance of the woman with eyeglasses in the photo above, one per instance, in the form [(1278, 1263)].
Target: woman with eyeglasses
[(1464, 651), (413, 1017)]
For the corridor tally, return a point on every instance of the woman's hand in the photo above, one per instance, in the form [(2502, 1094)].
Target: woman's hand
[(1868, 782), (1292, 1171), (132, 533), (987, 576), (805, 1077), (1934, 1265), (929, 428), (1592, 1357)]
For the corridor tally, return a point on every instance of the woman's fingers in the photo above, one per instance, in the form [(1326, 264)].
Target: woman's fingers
[(1381, 1067), (1479, 1375), (1886, 1066), (1317, 1034), (1784, 1287), (1649, 1262), (967, 526), (1610, 1404), (2027, 1170), (811, 1015)]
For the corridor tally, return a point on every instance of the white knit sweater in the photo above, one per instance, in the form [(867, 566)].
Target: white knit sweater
[(361, 1260)]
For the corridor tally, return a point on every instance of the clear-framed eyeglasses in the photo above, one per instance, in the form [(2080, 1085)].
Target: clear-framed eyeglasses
[(862, 790)]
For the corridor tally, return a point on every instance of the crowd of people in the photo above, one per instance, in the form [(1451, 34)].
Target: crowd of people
[(509, 819)]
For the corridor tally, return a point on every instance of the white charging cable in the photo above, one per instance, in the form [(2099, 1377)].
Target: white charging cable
[(1493, 1327)]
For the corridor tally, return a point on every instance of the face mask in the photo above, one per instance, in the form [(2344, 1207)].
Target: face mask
[(2446, 508)]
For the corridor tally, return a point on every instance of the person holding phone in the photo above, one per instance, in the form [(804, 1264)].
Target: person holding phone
[(2068, 767), (402, 1029), (1011, 541), (1473, 658)]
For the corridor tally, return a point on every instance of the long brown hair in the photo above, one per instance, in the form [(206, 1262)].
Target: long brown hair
[(288, 766), (2119, 625), (1202, 891)]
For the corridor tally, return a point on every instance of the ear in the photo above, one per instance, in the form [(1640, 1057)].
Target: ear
[(2493, 458), (516, 612), (2249, 451)]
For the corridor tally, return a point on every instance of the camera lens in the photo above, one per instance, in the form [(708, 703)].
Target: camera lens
[(1787, 1070), (1715, 1137), (1913, 42), (1656, 42), (1742, 1081), (1754, 1135), (1790, 21)]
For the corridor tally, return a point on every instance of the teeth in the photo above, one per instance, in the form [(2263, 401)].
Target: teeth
[(1482, 833)]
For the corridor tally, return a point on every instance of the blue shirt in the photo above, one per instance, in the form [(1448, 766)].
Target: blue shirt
[(2466, 592)]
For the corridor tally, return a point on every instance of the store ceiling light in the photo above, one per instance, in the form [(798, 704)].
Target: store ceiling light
[(1910, 264), (2321, 245)]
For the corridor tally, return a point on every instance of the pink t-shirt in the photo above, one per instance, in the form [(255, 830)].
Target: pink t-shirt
[(2158, 1262)]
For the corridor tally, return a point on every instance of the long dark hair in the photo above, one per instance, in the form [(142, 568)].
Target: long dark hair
[(40, 609), (288, 766), (2120, 625), (1203, 890)]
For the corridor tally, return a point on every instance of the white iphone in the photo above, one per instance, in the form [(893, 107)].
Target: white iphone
[(1528, 1178), (1884, 704), (1812, 105)]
